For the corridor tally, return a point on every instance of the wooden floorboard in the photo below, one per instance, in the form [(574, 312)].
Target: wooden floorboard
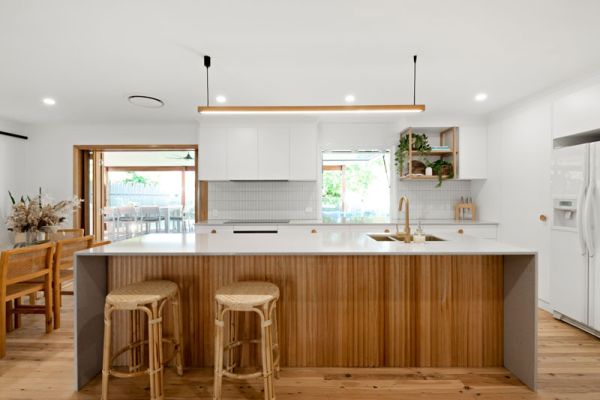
[(40, 366)]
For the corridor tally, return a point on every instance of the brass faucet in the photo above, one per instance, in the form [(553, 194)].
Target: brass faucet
[(404, 200)]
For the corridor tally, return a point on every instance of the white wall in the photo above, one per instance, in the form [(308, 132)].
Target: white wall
[(12, 162), (50, 149), (517, 190)]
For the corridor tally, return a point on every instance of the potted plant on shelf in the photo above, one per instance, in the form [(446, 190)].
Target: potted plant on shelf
[(420, 144), (30, 218), (442, 169)]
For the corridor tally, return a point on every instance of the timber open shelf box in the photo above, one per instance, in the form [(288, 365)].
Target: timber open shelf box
[(437, 137)]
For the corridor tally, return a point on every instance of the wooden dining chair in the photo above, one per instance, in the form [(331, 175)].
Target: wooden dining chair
[(100, 244), (24, 271), (63, 269), (63, 234)]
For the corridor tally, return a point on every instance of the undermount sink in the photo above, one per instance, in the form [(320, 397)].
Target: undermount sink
[(399, 237)]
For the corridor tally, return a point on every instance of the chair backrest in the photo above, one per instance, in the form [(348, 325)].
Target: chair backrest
[(100, 244), (62, 234), (150, 211), (127, 212), (176, 212), (189, 214), (65, 249), (25, 263), (110, 213)]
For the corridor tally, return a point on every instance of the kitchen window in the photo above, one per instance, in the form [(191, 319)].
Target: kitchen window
[(356, 186)]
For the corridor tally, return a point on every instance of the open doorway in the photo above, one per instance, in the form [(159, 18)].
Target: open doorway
[(134, 190)]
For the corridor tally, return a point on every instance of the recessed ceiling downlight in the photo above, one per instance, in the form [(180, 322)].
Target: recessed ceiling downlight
[(49, 101), (146, 101), (480, 97)]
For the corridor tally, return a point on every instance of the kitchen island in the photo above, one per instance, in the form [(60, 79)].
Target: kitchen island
[(347, 300)]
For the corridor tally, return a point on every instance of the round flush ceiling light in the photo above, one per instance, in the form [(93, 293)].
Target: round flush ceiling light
[(350, 98), (221, 99), (49, 101), (146, 101), (480, 97)]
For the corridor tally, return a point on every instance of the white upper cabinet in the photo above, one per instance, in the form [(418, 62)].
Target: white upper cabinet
[(303, 153), (274, 153), (576, 113), (242, 154), (257, 153), (212, 153), (472, 152)]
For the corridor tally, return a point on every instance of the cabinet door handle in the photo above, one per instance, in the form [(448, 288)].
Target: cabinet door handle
[(213, 231), (543, 218), (313, 231), (461, 231)]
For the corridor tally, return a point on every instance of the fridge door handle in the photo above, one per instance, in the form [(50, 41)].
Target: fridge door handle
[(590, 200), (580, 219), (589, 218)]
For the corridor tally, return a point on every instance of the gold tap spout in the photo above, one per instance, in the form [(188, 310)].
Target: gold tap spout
[(404, 201)]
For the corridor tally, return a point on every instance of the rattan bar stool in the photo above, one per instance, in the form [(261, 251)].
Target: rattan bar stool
[(249, 296), (141, 298)]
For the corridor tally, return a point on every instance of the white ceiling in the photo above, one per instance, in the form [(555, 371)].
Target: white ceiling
[(90, 55)]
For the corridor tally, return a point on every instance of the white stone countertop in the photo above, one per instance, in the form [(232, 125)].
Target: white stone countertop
[(299, 243), (413, 221)]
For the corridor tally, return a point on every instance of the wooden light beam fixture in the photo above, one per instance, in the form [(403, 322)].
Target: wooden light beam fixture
[(366, 109)]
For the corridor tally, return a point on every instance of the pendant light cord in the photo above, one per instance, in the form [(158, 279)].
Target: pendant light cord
[(414, 80), (207, 65), (207, 90)]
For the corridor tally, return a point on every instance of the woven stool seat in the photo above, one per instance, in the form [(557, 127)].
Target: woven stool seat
[(130, 296), (247, 294)]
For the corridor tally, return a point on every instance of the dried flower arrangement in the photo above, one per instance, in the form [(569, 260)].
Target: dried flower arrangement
[(35, 214)]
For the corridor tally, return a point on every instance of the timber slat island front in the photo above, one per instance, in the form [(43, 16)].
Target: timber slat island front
[(346, 300)]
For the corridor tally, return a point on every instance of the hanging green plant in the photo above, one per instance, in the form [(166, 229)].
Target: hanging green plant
[(442, 169), (420, 144)]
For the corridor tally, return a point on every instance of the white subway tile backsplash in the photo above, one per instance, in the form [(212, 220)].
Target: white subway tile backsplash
[(430, 202), (262, 200), (291, 200)]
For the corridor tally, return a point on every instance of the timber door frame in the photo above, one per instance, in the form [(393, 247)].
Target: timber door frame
[(81, 157)]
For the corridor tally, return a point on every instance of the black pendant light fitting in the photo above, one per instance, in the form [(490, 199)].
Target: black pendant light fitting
[(207, 65), (414, 79)]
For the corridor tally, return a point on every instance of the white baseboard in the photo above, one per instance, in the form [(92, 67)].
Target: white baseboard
[(545, 305), (576, 324)]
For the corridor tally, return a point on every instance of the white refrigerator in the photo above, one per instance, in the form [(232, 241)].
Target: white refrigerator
[(575, 252)]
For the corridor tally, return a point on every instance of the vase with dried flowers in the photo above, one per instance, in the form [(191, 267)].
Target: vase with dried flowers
[(31, 217)]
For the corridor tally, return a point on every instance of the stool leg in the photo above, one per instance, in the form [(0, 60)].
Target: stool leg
[(231, 337), (151, 351), (154, 346), (275, 341), (136, 334), (218, 352), (161, 356), (177, 333), (266, 352), (106, 351)]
